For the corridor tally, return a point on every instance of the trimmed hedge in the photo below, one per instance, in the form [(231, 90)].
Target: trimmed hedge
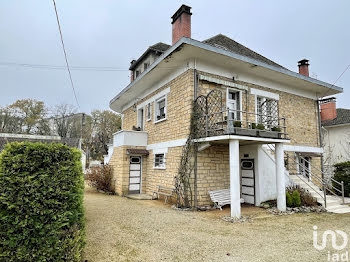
[(342, 173), (41, 203)]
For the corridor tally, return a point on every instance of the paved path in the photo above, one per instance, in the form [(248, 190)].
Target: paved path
[(121, 229)]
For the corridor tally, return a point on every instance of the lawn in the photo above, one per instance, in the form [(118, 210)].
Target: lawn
[(120, 229)]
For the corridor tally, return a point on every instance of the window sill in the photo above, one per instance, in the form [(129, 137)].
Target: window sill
[(148, 120), (158, 167), (160, 120)]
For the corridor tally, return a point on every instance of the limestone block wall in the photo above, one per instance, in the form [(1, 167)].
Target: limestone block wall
[(179, 108), (120, 163)]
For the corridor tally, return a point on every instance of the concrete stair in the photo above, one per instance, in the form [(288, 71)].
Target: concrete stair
[(334, 203)]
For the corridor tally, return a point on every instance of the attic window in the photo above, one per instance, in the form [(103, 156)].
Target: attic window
[(137, 73), (145, 66)]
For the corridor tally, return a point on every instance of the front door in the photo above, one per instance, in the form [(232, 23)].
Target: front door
[(135, 175), (248, 181)]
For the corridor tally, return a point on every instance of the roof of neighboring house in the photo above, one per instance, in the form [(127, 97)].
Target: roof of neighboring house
[(159, 47), (228, 44), (71, 142), (343, 117)]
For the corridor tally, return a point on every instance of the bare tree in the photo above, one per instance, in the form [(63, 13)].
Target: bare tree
[(63, 119)]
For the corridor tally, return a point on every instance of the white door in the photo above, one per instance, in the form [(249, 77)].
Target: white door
[(248, 181), (232, 104), (135, 175)]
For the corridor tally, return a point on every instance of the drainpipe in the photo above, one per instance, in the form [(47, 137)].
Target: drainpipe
[(195, 75), (320, 135)]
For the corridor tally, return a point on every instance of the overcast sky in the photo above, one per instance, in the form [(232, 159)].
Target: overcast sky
[(110, 33)]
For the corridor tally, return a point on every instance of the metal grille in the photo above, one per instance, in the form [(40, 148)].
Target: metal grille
[(268, 112), (210, 116)]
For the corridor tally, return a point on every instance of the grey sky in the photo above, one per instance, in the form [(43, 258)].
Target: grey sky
[(106, 33)]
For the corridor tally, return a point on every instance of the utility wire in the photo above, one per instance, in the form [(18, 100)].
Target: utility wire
[(79, 68), (65, 53), (341, 74)]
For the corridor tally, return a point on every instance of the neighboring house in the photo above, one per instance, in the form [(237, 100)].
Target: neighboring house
[(233, 86), (71, 142), (67, 126), (336, 133)]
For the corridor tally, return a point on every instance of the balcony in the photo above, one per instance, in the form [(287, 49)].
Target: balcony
[(241, 123), (130, 138)]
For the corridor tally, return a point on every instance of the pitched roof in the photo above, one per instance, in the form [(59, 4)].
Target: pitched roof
[(343, 117), (71, 142), (226, 43), (159, 47)]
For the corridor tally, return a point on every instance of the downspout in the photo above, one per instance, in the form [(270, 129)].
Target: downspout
[(320, 135), (195, 85)]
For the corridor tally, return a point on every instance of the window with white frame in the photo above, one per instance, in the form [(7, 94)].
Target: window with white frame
[(267, 111), (160, 109), (159, 161), (149, 111)]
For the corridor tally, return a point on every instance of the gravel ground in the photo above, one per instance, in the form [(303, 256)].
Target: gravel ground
[(120, 229)]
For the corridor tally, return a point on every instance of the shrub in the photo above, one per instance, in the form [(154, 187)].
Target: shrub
[(296, 198), (260, 126), (237, 124), (306, 198), (253, 126), (342, 173), (100, 177), (289, 199), (41, 207), (276, 129)]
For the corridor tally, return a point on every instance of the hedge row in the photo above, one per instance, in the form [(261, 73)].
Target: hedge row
[(342, 173), (41, 203)]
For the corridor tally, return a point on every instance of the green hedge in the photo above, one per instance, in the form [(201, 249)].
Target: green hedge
[(41, 203), (342, 173)]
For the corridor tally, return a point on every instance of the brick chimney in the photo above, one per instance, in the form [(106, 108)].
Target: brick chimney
[(304, 67), (132, 71), (328, 109), (181, 23)]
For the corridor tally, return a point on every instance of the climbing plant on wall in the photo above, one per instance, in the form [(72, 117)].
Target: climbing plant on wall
[(186, 181)]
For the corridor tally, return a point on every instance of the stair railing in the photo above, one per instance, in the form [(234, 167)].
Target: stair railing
[(325, 186)]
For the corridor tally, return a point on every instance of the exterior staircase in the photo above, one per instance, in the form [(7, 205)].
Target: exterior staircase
[(331, 201), (334, 203)]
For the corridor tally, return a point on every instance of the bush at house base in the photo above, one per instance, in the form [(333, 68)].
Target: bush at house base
[(41, 207)]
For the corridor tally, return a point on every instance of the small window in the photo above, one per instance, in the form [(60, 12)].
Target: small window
[(145, 66), (160, 113), (137, 73), (149, 111), (159, 160)]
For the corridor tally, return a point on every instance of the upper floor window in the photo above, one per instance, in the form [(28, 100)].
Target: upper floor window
[(145, 66), (149, 111), (137, 73), (267, 111), (160, 109)]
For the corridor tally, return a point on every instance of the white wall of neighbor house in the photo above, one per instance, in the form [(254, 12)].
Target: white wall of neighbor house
[(336, 140)]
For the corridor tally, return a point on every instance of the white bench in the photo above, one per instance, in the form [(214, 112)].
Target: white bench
[(162, 190), (221, 198)]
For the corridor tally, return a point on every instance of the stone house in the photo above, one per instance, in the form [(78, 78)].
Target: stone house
[(256, 119)]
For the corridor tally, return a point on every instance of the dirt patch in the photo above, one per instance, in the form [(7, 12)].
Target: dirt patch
[(120, 229)]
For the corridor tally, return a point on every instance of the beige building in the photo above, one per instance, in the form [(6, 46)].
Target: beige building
[(257, 122)]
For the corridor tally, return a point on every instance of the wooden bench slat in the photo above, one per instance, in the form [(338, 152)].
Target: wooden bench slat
[(221, 197)]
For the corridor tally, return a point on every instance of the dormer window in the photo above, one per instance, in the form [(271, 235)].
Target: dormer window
[(160, 109)]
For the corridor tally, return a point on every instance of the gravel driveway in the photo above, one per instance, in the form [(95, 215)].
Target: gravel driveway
[(120, 229)]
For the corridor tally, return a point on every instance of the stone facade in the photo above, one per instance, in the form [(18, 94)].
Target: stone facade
[(213, 162)]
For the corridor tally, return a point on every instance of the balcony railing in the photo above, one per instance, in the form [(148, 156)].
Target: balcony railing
[(243, 123)]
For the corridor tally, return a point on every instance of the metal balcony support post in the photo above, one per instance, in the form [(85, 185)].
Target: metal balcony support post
[(342, 191), (325, 195)]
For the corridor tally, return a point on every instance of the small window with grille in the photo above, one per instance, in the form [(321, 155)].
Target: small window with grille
[(159, 161)]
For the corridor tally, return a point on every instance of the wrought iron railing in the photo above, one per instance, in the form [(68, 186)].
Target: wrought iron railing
[(327, 185), (241, 122)]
